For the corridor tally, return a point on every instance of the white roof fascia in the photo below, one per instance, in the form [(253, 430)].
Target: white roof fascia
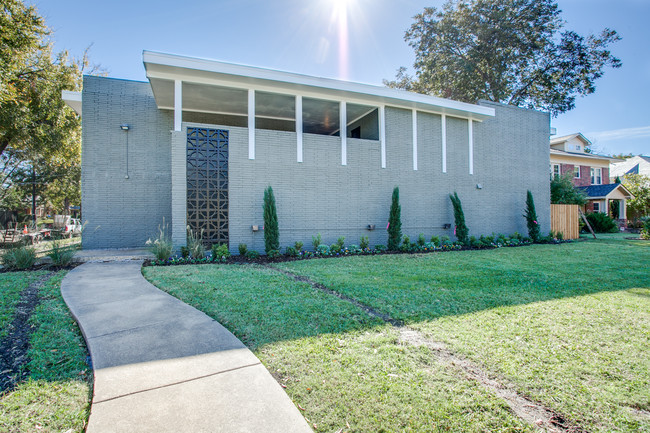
[(72, 99), (175, 67)]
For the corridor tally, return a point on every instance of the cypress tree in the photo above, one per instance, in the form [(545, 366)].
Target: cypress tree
[(271, 232), (461, 231), (531, 218), (395, 222)]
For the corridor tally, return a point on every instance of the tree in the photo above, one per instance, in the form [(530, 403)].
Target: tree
[(271, 231), (639, 187), (531, 218), (510, 51), (395, 222), (37, 130), (460, 229), (564, 192)]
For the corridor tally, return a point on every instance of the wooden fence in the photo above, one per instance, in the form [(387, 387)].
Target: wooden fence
[(564, 219)]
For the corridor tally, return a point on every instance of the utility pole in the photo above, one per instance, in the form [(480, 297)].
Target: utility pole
[(33, 196)]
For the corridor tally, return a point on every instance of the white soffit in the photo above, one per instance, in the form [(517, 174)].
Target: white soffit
[(163, 69), (72, 99)]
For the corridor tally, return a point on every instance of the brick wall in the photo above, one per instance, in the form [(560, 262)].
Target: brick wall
[(122, 212)]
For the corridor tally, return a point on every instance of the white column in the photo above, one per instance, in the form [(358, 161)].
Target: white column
[(251, 124), (470, 131), (382, 134), (343, 131), (444, 143), (299, 127), (414, 115), (178, 105), (622, 210)]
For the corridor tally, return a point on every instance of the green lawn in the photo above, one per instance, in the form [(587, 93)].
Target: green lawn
[(11, 285), (56, 397), (567, 325)]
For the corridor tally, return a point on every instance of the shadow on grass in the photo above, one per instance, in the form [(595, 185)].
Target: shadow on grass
[(261, 305)]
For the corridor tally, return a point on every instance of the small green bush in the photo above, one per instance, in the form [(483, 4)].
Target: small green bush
[(273, 254), (445, 241), (460, 229), (291, 252), (421, 240), (365, 243), (252, 255), (185, 252), (645, 231), (316, 241), (161, 246), (354, 249), (62, 256), (195, 244), (335, 248), (380, 248), (271, 230), (473, 242), (19, 258), (601, 222), (341, 242), (406, 244), (323, 250), (298, 246), (531, 218), (243, 249), (435, 240), (220, 252)]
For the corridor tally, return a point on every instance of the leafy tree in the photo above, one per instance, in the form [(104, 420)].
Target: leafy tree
[(271, 232), (395, 222), (510, 51), (460, 229), (37, 130), (639, 187), (564, 192), (531, 218)]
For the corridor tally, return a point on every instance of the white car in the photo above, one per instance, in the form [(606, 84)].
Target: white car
[(72, 228)]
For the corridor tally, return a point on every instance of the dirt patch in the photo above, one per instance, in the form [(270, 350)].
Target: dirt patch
[(14, 347), (528, 410)]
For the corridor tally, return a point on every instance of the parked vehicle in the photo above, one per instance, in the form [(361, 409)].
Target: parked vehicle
[(72, 228)]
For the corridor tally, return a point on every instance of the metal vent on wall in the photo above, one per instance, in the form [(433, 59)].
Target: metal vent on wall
[(207, 184)]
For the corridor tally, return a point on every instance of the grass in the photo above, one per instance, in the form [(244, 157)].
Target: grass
[(56, 397), (11, 285), (568, 326)]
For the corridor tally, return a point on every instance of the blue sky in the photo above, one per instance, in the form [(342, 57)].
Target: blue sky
[(303, 36)]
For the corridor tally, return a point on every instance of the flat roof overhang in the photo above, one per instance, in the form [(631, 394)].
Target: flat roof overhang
[(163, 70)]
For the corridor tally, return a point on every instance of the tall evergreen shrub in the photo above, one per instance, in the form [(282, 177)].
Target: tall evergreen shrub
[(395, 222), (460, 229), (271, 232), (531, 218)]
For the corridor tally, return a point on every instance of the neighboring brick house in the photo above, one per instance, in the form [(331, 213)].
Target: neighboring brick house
[(200, 141), (590, 173)]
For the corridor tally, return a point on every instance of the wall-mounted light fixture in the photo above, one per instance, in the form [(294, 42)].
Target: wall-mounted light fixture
[(446, 226), (370, 226), (125, 127), (479, 186)]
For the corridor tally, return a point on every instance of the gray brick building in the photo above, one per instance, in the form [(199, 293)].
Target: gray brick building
[(200, 141)]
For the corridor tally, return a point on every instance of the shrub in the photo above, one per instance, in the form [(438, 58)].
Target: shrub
[(365, 243), (435, 240), (645, 231), (461, 231), (62, 256), (19, 258), (406, 244), (271, 231), (354, 249), (323, 250), (185, 252), (273, 254), (298, 246), (243, 249), (252, 254), (531, 218), (316, 241), (421, 240), (445, 241), (501, 239), (380, 248), (291, 252), (195, 244), (335, 248), (341, 242), (161, 246), (564, 192), (395, 222), (473, 242), (220, 252), (516, 236), (601, 222)]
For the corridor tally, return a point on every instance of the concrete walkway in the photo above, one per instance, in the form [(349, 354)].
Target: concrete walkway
[(163, 366)]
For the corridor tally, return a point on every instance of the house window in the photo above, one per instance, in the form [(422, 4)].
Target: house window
[(596, 206), (576, 171), (555, 170), (596, 176), (578, 147)]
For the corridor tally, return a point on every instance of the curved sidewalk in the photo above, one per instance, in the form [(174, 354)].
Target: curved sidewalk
[(163, 366)]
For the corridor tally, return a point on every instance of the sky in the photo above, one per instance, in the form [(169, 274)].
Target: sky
[(355, 40)]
